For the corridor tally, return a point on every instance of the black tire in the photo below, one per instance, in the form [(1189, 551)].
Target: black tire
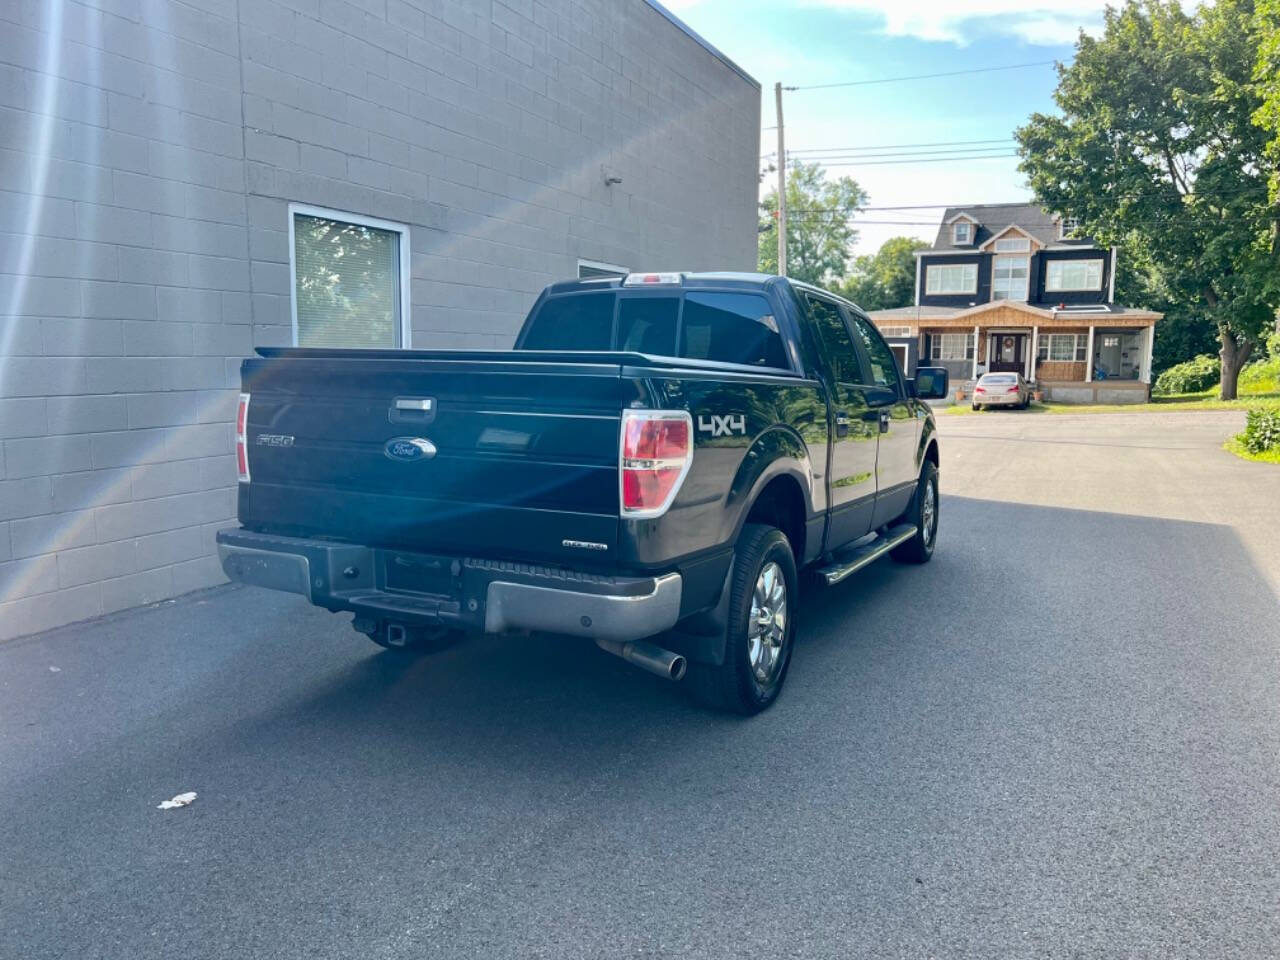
[(417, 640), (919, 549), (734, 685), (976, 408)]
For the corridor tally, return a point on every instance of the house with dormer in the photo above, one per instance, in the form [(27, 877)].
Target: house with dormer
[(1010, 287)]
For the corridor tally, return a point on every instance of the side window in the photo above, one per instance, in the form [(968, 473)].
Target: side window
[(579, 321), (836, 342), (884, 368), (731, 328)]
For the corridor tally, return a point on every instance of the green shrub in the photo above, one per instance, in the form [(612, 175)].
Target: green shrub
[(1273, 345), (1189, 377), (1261, 376), (1262, 431)]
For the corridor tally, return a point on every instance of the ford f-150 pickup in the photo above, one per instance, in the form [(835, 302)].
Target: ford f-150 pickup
[(649, 467)]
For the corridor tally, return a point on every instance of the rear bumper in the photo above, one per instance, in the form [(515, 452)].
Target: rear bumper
[(998, 399), (471, 594)]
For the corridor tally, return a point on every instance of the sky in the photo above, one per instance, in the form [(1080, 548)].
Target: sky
[(810, 42)]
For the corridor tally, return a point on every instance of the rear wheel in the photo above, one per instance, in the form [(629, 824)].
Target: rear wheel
[(976, 407), (923, 512), (761, 631)]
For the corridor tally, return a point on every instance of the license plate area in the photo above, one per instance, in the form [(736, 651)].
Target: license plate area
[(419, 573)]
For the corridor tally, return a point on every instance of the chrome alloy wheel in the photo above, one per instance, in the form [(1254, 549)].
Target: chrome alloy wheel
[(767, 628), (929, 511)]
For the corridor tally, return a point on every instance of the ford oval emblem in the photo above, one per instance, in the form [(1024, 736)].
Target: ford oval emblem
[(407, 449)]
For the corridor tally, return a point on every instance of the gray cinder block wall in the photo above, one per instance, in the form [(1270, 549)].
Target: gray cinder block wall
[(149, 149)]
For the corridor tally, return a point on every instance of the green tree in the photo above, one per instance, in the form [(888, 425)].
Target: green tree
[(1267, 74), (886, 278), (819, 225), (1155, 151)]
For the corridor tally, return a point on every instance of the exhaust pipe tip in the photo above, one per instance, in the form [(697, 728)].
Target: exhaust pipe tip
[(397, 635), (678, 668), (647, 656)]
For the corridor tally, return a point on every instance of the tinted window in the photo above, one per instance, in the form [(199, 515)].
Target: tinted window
[(836, 342), (648, 324), (731, 328), (884, 368), (582, 321)]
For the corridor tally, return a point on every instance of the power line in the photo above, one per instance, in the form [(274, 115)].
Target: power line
[(923, 76), (892, 146), (835, 159), (947, 159)]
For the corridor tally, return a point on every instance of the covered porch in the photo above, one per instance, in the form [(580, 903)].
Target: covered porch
[(1073, 356)]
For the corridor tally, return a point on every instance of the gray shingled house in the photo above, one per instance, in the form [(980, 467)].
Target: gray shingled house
[(1009, 287)]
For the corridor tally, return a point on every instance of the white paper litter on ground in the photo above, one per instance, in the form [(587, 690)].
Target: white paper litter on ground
[(181, 800)]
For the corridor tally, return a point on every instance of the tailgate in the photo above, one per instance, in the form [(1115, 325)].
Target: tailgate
[(500, 456)]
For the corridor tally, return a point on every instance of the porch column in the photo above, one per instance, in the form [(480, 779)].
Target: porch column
[(974, 375), (1088, 358), (1145, 373), (1035, 352)]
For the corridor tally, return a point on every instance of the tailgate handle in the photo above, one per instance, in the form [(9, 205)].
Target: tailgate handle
[(412, 410)]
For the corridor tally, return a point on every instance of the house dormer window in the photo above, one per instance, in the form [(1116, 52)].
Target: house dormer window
[(1067, 226), (962, 232)]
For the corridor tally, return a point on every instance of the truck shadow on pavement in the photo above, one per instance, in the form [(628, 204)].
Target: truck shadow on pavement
[(1060, 733)]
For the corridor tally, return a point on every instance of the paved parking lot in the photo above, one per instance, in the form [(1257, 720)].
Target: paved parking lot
[(1060, 738)]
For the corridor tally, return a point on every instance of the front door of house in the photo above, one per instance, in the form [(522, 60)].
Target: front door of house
[(1109, 353), (1007, 352)]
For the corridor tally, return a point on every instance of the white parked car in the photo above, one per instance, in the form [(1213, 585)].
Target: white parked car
[(1001, 390)]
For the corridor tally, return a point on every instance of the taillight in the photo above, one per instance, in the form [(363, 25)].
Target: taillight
[(979, 389), (657, 451), (242, 438), (1012, 390)]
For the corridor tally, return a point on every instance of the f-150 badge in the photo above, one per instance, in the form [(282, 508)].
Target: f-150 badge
[(722, 426)]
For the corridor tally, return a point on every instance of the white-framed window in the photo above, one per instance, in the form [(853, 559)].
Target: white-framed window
[(595, 269), (962, 232), (1063, 275), (1009, 278), (1063, 347), (349, 276), (1067, 226), (951, 278), (1013, 245), (895, 331), (951, 346)]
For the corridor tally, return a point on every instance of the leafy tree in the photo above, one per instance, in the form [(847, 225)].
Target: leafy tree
[(819, 225), (1267, 74), (1155, 151), (886, 278)]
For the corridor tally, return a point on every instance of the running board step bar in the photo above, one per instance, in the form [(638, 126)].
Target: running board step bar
[(851, 561)]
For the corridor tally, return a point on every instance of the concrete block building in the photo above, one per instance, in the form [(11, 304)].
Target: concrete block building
[(184, 180)]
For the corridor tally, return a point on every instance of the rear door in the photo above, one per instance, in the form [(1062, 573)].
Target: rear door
[(852, 453), (471, 454), (893, 416)]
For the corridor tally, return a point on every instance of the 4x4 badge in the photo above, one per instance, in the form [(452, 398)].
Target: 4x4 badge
[(719, 426)]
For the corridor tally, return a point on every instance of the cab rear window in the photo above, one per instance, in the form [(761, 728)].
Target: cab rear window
[(723, 327)]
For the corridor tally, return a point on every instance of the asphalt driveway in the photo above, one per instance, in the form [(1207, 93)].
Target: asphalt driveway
[(1060, 738)]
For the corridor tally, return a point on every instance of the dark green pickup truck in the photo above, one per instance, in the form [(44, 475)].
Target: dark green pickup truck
[(649, 467)]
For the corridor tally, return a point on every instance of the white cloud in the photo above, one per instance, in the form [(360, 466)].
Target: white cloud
[(1038, 22)]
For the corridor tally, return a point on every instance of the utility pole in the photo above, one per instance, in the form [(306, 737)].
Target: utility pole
[(782, 188)]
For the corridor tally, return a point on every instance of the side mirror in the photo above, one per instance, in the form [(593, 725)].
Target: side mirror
[(932, 383)]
